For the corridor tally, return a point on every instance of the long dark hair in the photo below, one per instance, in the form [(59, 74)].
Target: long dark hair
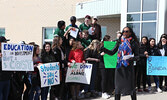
[(132, 34), (146, 39), (160, 41), (35, 49), (44, 51), (150, 40)]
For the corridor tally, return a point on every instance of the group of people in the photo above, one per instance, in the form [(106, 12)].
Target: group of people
[(86, 48)]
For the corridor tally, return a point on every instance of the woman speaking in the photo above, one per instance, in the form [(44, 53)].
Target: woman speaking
[(128, 52)]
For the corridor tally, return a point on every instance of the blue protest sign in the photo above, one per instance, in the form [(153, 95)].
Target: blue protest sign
[(157, 65)]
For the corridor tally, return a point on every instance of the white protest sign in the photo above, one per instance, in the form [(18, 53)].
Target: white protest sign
[(91, 30), (17, 57), (49, 74), (74, 32), (79, 73)]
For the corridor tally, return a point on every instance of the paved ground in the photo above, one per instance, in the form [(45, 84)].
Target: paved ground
[(141, 96)]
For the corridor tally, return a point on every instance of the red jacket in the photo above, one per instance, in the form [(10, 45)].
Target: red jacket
[(76, 55)]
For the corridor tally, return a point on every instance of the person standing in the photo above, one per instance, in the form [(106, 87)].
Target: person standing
[(162, 45), (127, 45), (76, 56), (47, 56), (153, 51), (5, 76), (97, 32), (141, 64), (35, 90), (91, 55)]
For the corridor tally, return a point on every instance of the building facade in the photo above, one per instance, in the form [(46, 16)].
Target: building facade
[(36, 20)]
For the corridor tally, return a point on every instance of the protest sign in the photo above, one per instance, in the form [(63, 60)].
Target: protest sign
[(49, 74), (74, 32), (17, 57), (91, 30), (156, 65), (79, 73), (110, 61)]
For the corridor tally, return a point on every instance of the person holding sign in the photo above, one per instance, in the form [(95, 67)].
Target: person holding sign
[(47, 56), (35, 90), (58, 91), (76, 56), (106, 73), (91, 55), (162, 46), (126, 46), (74, 31), (153, 51), (5, 76)]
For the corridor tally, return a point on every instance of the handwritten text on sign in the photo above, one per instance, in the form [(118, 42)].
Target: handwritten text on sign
[(49, 74), (17, 57), (156, 65), (79, 73)]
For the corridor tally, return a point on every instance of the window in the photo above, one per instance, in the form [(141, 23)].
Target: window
[(149, 5), (134, 5), (142, 17), (48, 34), (2, 31), (136, 28), (149, 29), (133, 17), (104, 31)]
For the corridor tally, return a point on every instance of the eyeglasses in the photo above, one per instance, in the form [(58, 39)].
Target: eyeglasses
[(125, 31)]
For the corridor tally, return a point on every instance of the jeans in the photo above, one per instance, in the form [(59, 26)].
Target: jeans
[(156, 80), (44, 93), (34, 90), (4, 89)]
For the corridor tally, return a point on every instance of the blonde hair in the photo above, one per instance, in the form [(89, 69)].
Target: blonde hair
[(56, 42), (91, 46), (75, 45)]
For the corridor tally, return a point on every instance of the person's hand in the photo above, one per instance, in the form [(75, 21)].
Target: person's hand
[(147, 56), (83, 62), (118, 35), (102, 54), (97, 60), (69, 64), (146, 53), (71, 28), (93, 33)]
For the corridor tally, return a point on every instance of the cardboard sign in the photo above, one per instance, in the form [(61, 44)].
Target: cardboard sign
[(110, 61), (79, 73), (49, 74), (17, 57), (156, 65)]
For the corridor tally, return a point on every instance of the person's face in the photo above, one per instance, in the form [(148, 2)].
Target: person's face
[(94, 21), (163, 40), (60, 41), (47, 47), (63, 27), (126, 32), (73, 22), (71, 42), (144, 40), (87, 21), (152, 43), (79, 45), (84, 35), (38, 50)]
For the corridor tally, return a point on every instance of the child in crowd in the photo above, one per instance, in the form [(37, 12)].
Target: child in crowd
[(76, 56)]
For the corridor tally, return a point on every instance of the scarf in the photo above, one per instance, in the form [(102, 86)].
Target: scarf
[(124, 49)]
